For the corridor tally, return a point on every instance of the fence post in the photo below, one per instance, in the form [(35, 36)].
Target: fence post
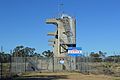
[(70, 63), (25, 63), (1, 70), (10, 66), (53, 64)]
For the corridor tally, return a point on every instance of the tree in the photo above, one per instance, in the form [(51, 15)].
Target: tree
[(1, 56), (48, 53), (114, 58), (102, 54), (95, 57), (21, 51), (4, 57), (18, 51), (29, 51)]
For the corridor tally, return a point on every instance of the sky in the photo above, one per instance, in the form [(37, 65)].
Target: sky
[(22, 22)]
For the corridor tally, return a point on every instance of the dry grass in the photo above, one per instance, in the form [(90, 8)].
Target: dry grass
[(70, 76)]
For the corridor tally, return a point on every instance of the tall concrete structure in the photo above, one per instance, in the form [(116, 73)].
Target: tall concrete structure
[(65, 35)]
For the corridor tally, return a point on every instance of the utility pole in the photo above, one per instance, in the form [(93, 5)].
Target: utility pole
[(1, 49)]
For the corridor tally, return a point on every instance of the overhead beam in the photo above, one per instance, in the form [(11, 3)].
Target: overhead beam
[(51, 40), (52, 21), (51, 34), (51, 44)]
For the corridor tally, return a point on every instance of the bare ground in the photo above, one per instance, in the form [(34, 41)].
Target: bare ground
[(64, 76)]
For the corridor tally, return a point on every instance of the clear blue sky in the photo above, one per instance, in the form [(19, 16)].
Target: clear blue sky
[(22, 22)]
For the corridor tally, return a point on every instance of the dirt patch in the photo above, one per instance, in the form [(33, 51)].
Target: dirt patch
[(67, 76), (77, 76)]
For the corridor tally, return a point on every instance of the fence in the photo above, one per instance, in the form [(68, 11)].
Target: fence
[(24, 64), (81, 64), (97, 65), (5, 70), (84, 64)]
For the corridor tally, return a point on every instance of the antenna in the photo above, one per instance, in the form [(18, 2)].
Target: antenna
[(60, 8)]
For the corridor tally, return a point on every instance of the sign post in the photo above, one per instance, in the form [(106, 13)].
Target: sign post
[(73, 52), (62, 63)]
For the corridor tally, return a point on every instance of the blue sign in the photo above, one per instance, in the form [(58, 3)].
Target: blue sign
[(75, 51), (74, 55)]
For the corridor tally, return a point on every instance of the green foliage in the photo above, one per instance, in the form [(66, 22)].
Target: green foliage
[(98, 57), (95, 55), (4, 57), (47, 53), (115, 58), (21, 51)]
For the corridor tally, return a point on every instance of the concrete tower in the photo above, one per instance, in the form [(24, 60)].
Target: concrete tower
[(65, 35)]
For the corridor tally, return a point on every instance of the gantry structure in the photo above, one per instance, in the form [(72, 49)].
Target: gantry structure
[(64, 36)]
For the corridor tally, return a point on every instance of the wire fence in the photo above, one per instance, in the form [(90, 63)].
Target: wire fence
[(84, 64)]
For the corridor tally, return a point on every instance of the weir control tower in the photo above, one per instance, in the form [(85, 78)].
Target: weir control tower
[(64, 36)]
